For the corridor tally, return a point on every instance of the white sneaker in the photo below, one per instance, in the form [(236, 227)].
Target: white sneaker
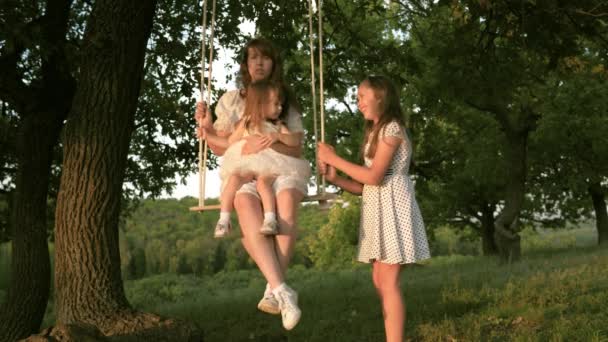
[(222, 229), (288, 303), (269, 303), (269, 227)]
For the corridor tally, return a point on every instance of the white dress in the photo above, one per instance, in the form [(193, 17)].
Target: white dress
[(267, 162), (392, 230), (229, 110)]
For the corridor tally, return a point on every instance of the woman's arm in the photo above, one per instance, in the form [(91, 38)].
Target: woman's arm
[(256, 143), (292, 151), (286, 137), (218, 147), (216, 140), (238, 133), (372, 175)]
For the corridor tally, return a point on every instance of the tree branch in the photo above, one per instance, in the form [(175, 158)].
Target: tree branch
[(580, 29), (500, 115)]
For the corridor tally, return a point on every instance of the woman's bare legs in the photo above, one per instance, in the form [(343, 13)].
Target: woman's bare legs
[(288, 203), (259, 247), (250, 215), (386, 281), (233, 184), (262, 249)]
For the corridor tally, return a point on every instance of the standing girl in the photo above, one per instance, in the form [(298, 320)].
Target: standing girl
[(263, 106), (392, 231)]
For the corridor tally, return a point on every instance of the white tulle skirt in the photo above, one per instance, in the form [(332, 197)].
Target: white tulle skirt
[(267, 162)]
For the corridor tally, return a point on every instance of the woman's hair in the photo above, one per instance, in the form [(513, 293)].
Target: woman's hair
[(258, 95), (266, 48), (386, 91)]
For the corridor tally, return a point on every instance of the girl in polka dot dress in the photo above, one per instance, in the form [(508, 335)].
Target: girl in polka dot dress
[(392, 231)]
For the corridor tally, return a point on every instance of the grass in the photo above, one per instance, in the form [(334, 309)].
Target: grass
[(558, 292), (551, 296)]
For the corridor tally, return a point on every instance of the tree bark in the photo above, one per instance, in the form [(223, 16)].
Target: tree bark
[(30, 265), (598, 196), (41, 121), (88, 282), (487, 230), (506, 232)]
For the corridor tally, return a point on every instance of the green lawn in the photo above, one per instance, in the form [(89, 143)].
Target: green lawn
[(556, 295), (558, 292)]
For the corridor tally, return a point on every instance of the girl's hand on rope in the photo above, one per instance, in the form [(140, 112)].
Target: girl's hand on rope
[(328, 171), (202, 115), (325, 153), (254, 144)]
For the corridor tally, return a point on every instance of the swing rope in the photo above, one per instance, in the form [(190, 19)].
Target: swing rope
[(313, 81), (321, 89), (322, 197), (202, 144)]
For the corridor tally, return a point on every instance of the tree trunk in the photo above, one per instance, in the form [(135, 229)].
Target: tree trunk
[(506, 232), (601, 214), (487, 230), (28, 291), (88, 282), (41, 121)]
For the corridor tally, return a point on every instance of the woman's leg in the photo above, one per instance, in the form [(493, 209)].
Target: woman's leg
[(259, 247), (263, 252), (288, 203), (386, 281)]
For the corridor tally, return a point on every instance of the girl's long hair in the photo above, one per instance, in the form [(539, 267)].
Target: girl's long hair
[(266, 48), (388, 94), (258, 95)]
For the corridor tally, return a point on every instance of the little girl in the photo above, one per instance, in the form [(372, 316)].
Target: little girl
[(392, 231), (263, 107)]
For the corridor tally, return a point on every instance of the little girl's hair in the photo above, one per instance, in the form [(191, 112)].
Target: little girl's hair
[(388, 94), (258, 94)]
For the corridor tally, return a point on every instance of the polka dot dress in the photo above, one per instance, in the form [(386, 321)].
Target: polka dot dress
[(392, 230)]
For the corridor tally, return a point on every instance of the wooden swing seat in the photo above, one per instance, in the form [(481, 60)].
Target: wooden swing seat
[(208, 207), (324, 200)]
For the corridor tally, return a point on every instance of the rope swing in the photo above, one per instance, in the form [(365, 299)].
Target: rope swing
[(322, 197), (202, 144)]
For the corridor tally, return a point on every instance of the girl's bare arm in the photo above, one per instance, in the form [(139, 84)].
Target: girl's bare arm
[(372, 175)]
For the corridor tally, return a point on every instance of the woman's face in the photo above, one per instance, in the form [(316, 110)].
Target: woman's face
[(369, 104), (273, 106), (259, 65)]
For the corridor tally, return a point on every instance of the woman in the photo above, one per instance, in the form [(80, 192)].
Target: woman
[(270, 253)]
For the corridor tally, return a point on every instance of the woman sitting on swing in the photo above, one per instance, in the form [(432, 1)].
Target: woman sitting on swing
[(271, 253)]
